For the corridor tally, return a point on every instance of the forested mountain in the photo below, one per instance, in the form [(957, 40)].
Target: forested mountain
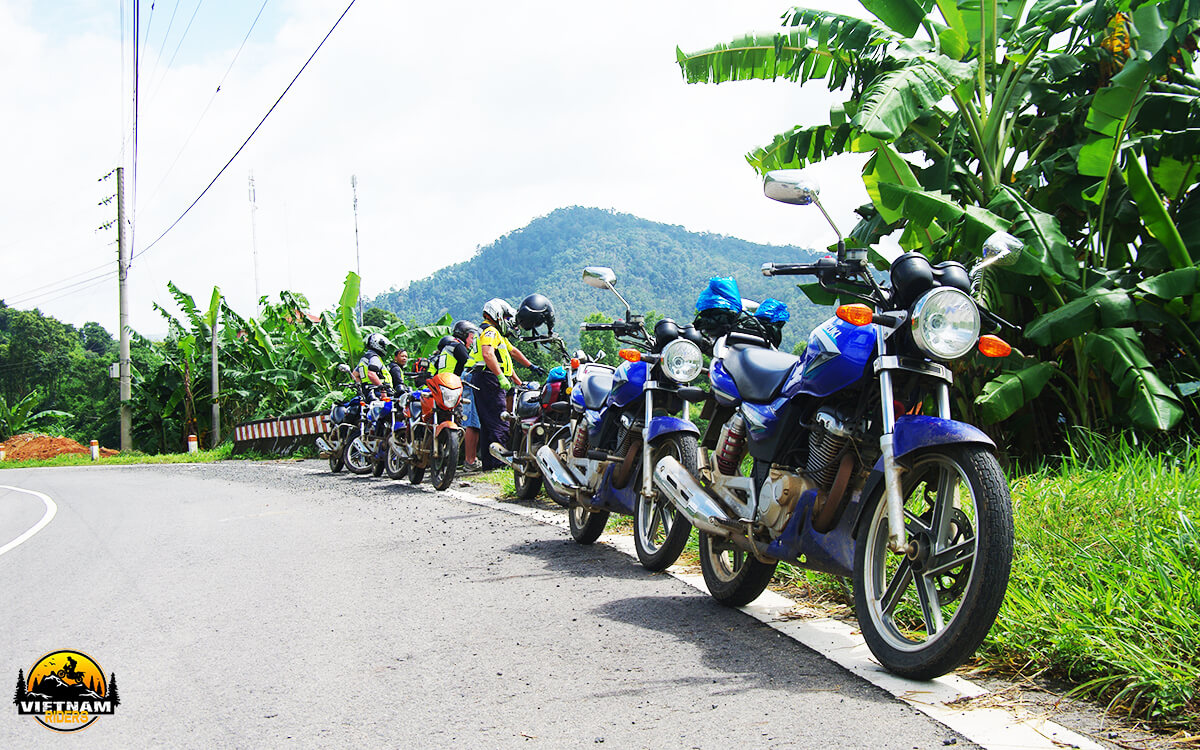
[(659, 267)]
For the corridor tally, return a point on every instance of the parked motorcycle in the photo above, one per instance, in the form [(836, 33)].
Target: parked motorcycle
[(858, 468), (343, 420), (362, 446), (427, 432), (540, 415), (623, 422)]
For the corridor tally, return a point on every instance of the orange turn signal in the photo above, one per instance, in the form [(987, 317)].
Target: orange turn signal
[(993, 346), (574, 364), (630, 355), (856, 314)]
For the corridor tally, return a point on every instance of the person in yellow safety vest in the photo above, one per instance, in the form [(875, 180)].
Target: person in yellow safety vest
[(493, 376), (454, 351), (371, 373)]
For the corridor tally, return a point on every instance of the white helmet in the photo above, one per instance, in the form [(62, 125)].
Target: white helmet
[(379, 344), (501, 313)]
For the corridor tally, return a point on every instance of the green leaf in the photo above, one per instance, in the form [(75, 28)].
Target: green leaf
[(802, 146), (1154, 214), (903, 16), (926, 206), (1096, 309), (1096, 156), (214, 305), (347, 323), (1182, 282), (887, 167), (895, 99), (1044, 241), (1002, 397), (1152, 404)]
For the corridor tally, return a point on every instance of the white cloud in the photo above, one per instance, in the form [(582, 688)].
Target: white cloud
[(462, 122)]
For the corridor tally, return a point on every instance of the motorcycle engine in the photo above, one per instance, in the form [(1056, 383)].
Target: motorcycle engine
[(829, 433), (778, 495)]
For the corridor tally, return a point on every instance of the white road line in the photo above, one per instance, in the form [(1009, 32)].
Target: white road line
[(945, 700), (51, 509)]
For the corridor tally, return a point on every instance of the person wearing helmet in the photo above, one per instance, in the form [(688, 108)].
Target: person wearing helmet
[(452, 354), (371, 374), (493, 376)]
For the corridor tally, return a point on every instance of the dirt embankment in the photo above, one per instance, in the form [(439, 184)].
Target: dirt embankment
[(30, 445)]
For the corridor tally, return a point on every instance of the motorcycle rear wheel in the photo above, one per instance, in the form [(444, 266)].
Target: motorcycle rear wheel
[(659, 530), (925, 615), (446, 462), (356, 456), (586, 525)]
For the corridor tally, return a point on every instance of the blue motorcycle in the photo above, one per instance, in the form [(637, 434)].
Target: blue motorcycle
[(857, 467), (623, 421)]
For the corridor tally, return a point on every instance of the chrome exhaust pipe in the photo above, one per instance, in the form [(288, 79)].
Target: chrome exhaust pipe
[(501, 455), (322, 446), (556, 473), (697, 504)]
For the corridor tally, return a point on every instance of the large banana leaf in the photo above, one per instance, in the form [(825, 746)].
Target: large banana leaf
[(888, 167), (802, 146), (1154, 214), (347, 324), (1009, 391), (926, 206), (1097, 309), (214, 306), (1152, 403), (895, 99), (1044, 241)]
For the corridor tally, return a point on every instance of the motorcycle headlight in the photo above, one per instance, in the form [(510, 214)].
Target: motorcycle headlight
[(945, 323), (682, 360), (450, 396)]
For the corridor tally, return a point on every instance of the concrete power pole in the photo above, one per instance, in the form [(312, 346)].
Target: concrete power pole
[(123, 301), (357, 259)]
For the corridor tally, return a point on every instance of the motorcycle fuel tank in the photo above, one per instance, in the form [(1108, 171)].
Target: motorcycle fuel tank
[(836, 356), (628, 383)]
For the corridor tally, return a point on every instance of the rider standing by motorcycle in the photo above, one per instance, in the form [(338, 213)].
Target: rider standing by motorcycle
[(452, 354), (493, 375), (396, 370)]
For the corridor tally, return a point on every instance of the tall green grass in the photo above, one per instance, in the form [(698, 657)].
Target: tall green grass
[(1105, 588)]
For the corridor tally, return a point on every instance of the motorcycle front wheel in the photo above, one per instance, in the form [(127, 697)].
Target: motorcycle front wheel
[(925, 613), (733, 576), (659, 531), (525, 486), (446, 461), (356, 456), (586, 525), (396, 466)]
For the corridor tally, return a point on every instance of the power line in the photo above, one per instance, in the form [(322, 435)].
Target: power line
[(256, 128), (25, 300), (211, 99), (183, 36), (56, 282), (167, 33)]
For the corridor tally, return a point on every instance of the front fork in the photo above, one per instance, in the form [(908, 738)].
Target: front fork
[(893, 473), (647, 470)]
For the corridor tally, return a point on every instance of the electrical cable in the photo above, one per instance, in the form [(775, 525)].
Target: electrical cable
[(100, 280), (252, 133), (183, 36), (31, 297), (211, 99), (56, 282), (167, 33)]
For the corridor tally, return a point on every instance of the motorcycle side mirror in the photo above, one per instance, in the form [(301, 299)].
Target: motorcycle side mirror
[(599, 277), (599, 355), (795, 187), (749, 305), (343, 367), (1001, 249)]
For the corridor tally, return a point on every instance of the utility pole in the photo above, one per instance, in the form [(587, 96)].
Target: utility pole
[(254, 239), (126, 389), (357, 258), (216, 406)]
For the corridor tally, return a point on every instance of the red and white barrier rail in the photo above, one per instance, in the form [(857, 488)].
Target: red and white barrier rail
[(282, 427)]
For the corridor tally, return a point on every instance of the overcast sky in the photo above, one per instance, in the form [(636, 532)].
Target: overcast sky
[(462, 122)]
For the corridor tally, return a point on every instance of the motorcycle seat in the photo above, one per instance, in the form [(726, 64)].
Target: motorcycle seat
[(759, 373)]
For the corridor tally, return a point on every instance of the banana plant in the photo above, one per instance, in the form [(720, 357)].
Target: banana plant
[(1074, 125), (23, 415)]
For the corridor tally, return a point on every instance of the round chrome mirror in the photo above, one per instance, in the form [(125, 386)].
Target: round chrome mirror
[(791, 186), (1001, 249)]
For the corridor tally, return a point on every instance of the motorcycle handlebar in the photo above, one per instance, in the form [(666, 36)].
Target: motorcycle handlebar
[(789, 269)]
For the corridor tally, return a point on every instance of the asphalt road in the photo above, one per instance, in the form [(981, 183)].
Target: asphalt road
[(273, 604)]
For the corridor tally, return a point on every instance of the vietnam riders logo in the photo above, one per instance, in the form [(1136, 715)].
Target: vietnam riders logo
[(66, 691)]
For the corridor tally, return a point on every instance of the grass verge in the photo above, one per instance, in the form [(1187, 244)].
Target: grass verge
[(220, 453)]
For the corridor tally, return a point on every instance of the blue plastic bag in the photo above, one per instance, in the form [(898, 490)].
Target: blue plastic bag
[(720, 294), (557, 374), (772, 311)]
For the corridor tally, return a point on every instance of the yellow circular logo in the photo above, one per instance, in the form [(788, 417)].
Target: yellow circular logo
[(66, 691)]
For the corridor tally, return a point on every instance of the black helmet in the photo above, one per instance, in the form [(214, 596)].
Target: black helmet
[(445, 341), (462, 329), (535, 310)]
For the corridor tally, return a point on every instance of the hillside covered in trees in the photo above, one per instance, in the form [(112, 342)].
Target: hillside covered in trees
[(659, 268)]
